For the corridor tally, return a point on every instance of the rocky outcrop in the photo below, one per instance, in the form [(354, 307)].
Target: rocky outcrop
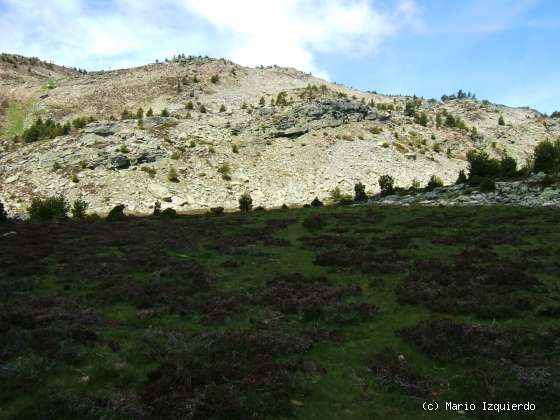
[(528, 192), (294, 121)]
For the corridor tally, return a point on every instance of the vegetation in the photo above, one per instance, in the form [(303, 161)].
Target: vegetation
[(164, 112), (42, 130), (52, 208), (547, 157), (461, 178), (386, 183), (150, 113), (172, 174), (149, 170), (501, 120), (327, 313), (460, 95), (434, 182), (215, 79), (225, 170), (454, 122), (79, 209), (360, 192), (245, 202), (222, 108), (3, 213), (487, 184)]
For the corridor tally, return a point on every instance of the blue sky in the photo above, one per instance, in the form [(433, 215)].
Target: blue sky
[(503, 50)]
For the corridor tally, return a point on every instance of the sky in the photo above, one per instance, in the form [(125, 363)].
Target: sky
[(507, 51)]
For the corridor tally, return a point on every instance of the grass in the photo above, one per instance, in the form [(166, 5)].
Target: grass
[(16, 115), (362, 313)]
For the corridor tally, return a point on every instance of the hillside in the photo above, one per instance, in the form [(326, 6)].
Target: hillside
[(316, 136)]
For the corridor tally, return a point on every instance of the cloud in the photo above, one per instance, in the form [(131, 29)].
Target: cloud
[(97, 34), (291, 32)]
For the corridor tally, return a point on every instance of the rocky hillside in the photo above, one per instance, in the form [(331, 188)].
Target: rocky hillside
[(279, 134)]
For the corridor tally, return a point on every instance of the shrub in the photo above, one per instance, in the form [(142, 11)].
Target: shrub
[(169, 212), (150, 113), (360, 192), (79, 209), (202, 109), (126, 115), (547, 157), (139, 114), (116, 214), (164, 112), (41, 130), (235, 148), (150, 171), (481, 166), (189, 106), (224, 169), (376, 130), (501, 120), (48, 209), (314, 222), (262, 101), (508, 167), (223, 108), (217, 210), (245, 202), (487, 184), (386, 183), (215, 79), (172, 175), (336, 195), (316, 202), (3, 214), (421, 119), (79, 122), (433, 183), (157, 208), (461, 178)]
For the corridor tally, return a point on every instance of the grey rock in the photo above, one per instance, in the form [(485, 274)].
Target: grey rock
[(120, 162)]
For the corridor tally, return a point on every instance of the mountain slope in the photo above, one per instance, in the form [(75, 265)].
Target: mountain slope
[(317, 136)]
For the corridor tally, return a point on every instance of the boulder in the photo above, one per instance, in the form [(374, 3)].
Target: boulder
[(160, 192), (120, 162), (101, 128)]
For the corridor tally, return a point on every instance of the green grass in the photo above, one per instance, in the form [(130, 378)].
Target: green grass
[(16, 115), (159, 286)]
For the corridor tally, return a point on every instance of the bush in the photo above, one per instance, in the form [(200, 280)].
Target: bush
[(360, 192), (433, 183), (3, 214), (150, 113), (126, 115), (164, 112), (189, 106), (202, 109), (487, 184), (157, 208), (245, 202), (314, 222), (41, 130), (169, 212), (225, 170), (116, 214), (223, 108), (79, 209), (316, 202), (546, 157), (501, 120), (215, 79), (217, 210), (48, 209), (481, 166), (386, 183), (172, 175), (462, 178), (508, 167), (150, 171)]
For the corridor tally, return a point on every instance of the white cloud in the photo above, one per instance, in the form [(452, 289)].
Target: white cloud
[(289, 32), (252, 32)]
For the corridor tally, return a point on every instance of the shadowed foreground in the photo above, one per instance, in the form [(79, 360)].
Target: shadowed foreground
[(329, 313)]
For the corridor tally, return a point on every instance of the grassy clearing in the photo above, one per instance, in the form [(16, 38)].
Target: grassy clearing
[(329, 313), (16, 115)]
